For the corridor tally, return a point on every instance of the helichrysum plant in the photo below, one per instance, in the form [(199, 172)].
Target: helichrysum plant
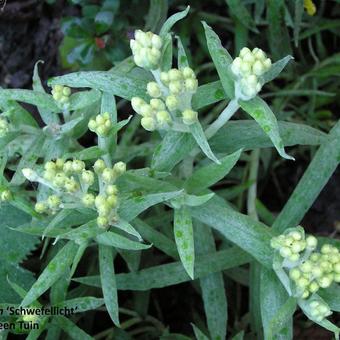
[(144, 192)]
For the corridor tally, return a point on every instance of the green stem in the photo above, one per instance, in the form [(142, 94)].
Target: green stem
[(226, 114), (102, 143)]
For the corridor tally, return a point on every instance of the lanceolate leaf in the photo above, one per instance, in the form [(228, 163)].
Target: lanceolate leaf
[(54, 270), (184, 238), (276, 68), (208, 175), (172, 21), (264, 116), (115, 240), (201, 140), (108, 282), (221, 59)]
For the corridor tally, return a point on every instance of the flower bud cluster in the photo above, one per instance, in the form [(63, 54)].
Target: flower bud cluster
[(106, 202), (70, 181), (101, 125), (291, 245), (146, 49), (4, 126), (5, 195), (61, 94), (309, 269), (319, 310), (248, 67), (319, 270), (154, 115), (173, 93)]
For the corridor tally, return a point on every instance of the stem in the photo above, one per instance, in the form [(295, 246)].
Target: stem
[(66, 115), (102, 143), (251, 200), (222, 119)]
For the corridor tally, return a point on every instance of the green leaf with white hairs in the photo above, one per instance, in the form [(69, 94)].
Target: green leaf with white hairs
[(171, 21), (47, 116), (80, 100), (276, 69), (128, 228), (70, 328), (115, 240), (264, 116), (199, 335), (195, 201), (184, 237), (121, 85), (108, 282), (198, 133), (37, 98), (222, 60), (174, 273), (81, 304), (182, 58), (132, 207), (210, 174), (166, 59), (54, 270)]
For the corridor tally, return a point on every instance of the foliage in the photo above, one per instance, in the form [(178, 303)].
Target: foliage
[(153, 201)]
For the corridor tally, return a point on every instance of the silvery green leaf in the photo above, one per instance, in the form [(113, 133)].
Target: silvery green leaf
[(194, 201), (184, 238), (108, 281), (172, 21), (82, 99), (128, 228), (182, 56), (276, 69), (198, 133), (262, 113), (115, 240)]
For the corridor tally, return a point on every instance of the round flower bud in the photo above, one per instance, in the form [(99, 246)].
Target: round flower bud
[(156, 41), (163, 118), (294, 257), (99, 201), (119, 168), (88, 177), (111, 189), (285, 252), (175, 87), (137, 104), (336, 267), (258, 68), (112, 200), (314, 257), (78, 166), (68, 167), (53, 201), (187, 72), (191, 85), (244, 51), (50, 166), (164, 78), (189, 117), (6, 195), (146, 110), (108, 175), (71, 185), (326, 249), (49, 175), (175, 74), (305, 294), (40, 207), (317, 271), (324, 281), (153, 89), (306, 267), (57, 88), (92, 125), (171, 103), (104, 209), (249, 58), (59, 163), (99, 166), (236, 66), (245, 68), (59, 180), (294, 274), (313, 287), (259, 54), (66, 91), (102, 222), (311, 242), (88, 200), (148, 123), (157, 104), (267, 64), (302, 282)]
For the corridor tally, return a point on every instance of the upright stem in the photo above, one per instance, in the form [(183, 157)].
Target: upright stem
[(225, 115), (102, 143), (252, 191)]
